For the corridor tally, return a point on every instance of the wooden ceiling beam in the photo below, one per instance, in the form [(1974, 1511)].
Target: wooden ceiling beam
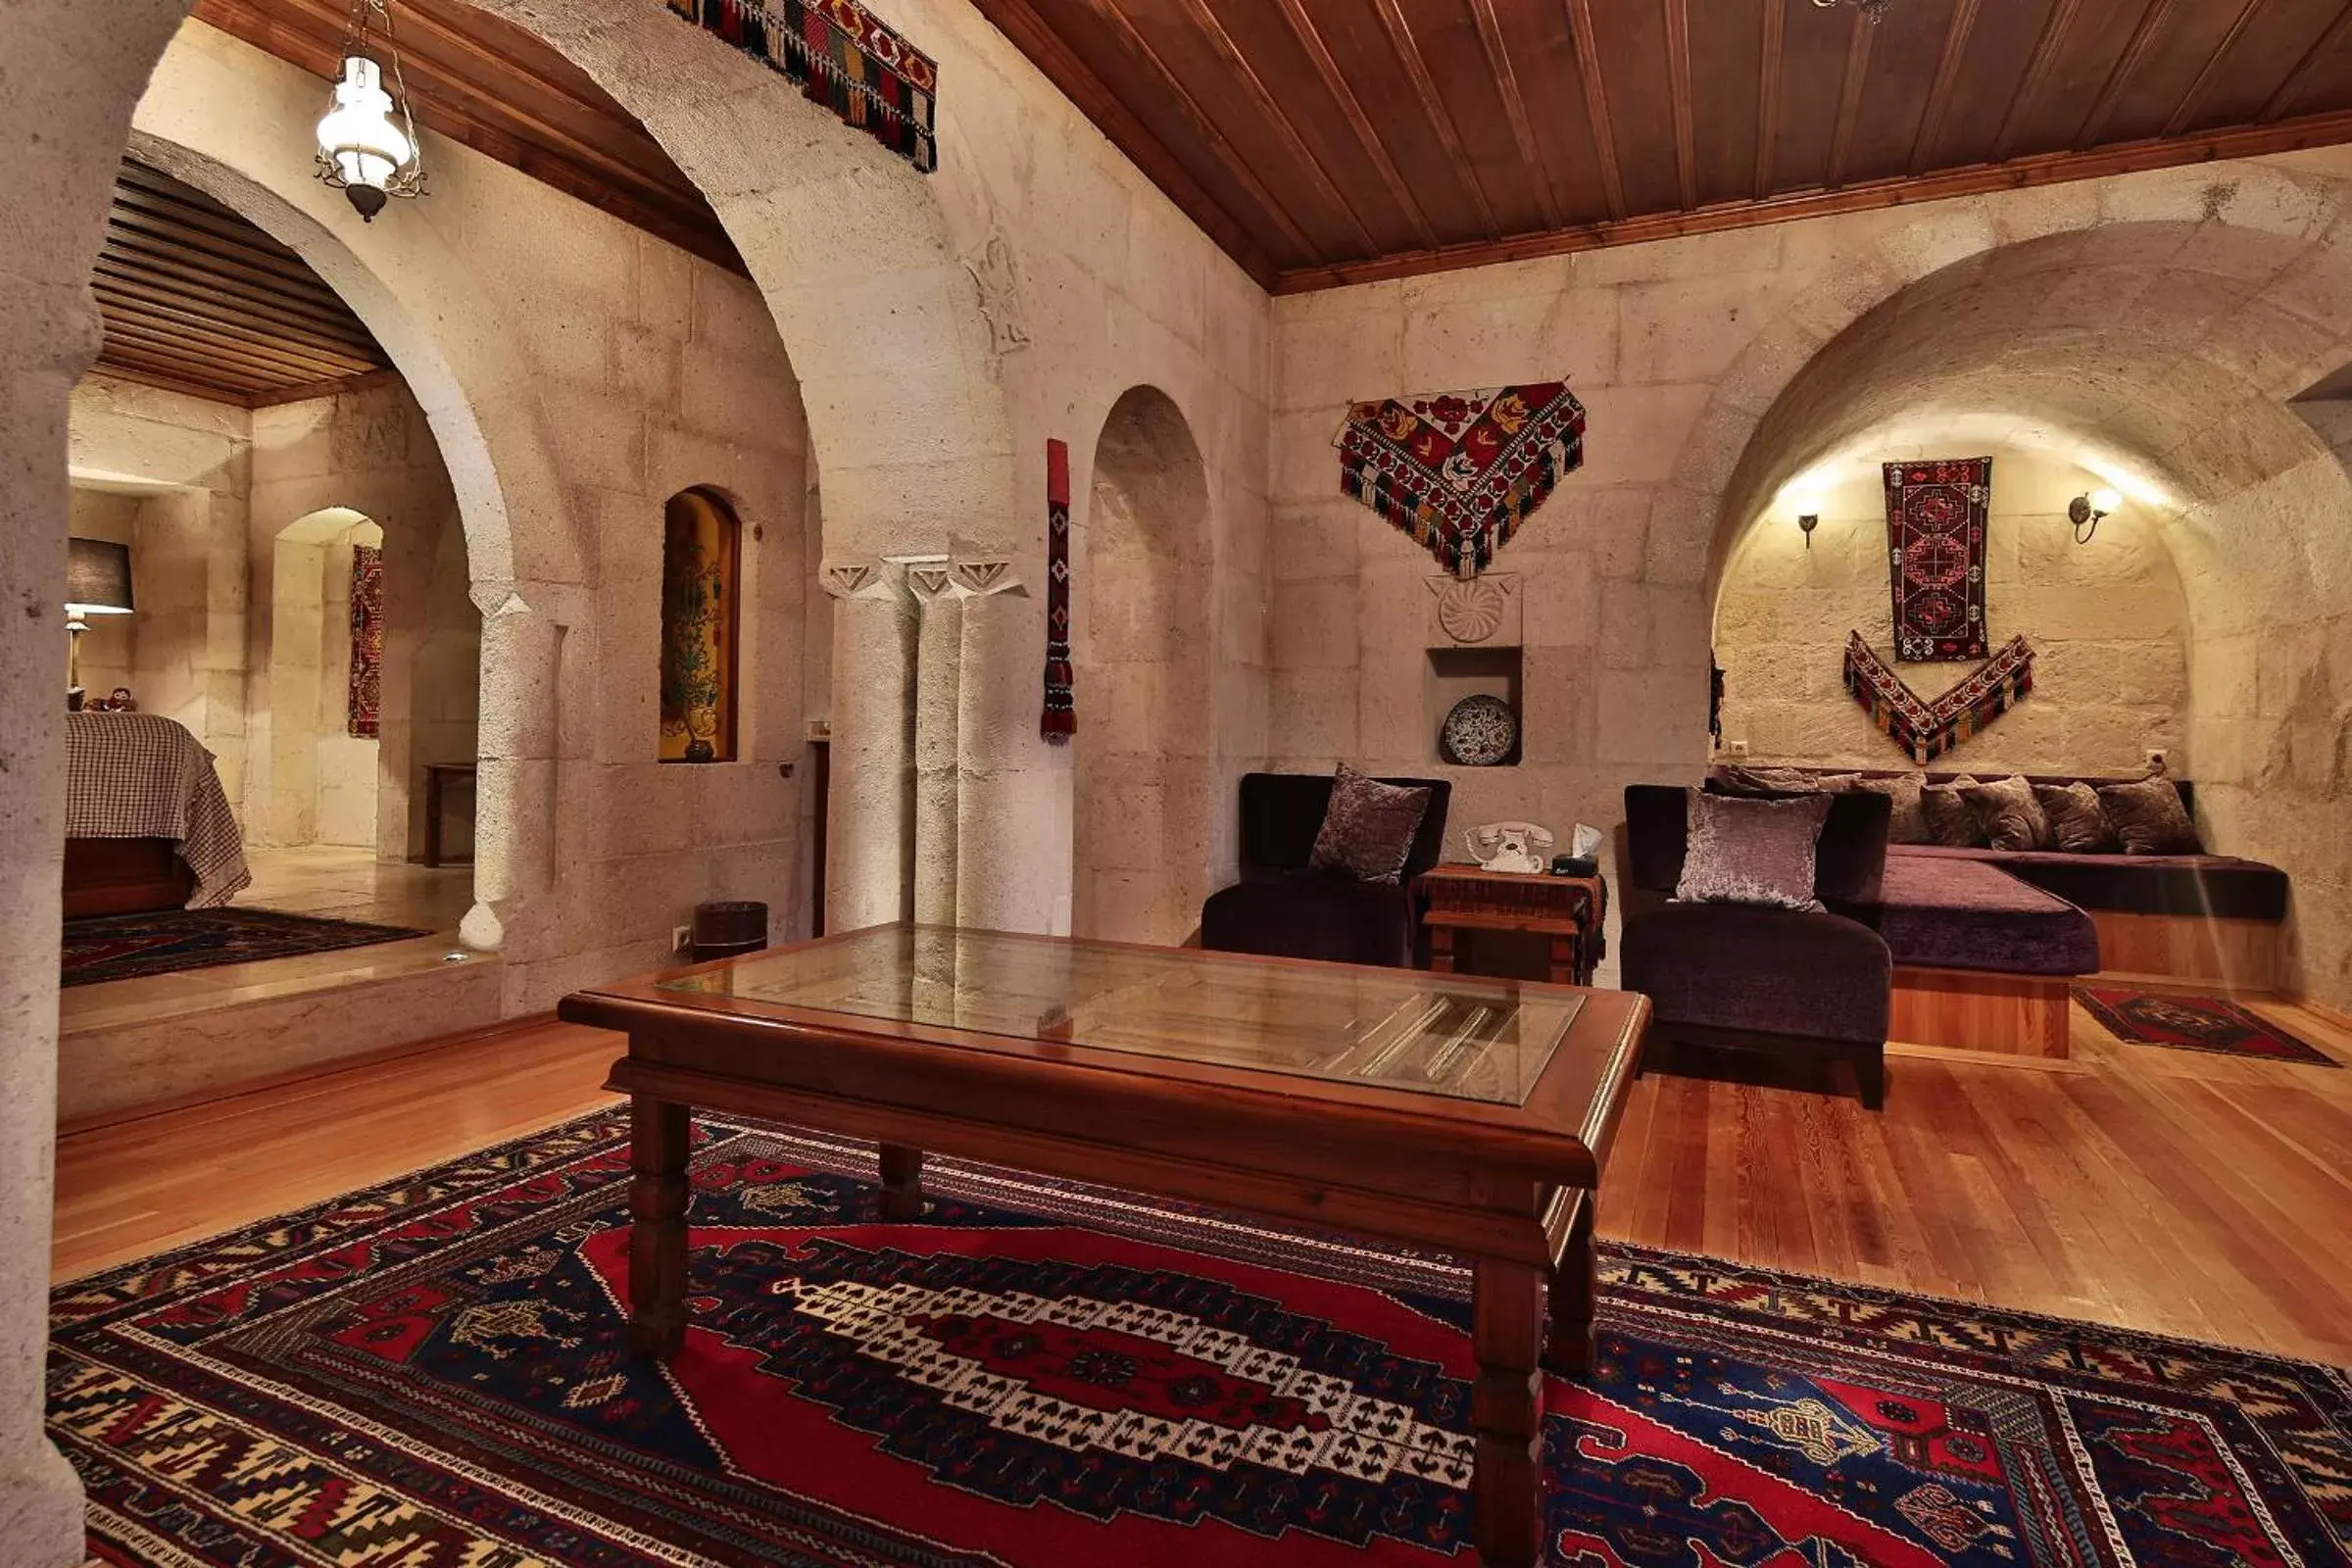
[(2192, 99), (2038, 71), (127, 369), (1078, 82), (1767, 94), (1849, 98), (142, 295), (1596, 105), (1335, 81), (1514, 109), (1947, 77), (1433, 105), (1271, 108), (2321, 47), (1678, 92), (2020, 174), (2135, 50), (163, 270)]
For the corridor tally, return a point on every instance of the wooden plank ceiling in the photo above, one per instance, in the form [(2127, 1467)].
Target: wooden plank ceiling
[(197, 299), (1323, 142), (483, 81)]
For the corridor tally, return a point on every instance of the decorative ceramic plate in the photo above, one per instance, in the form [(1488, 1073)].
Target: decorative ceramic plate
[(1479, 732)]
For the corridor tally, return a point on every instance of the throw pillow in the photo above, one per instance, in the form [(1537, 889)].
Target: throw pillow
[(2009, 814), (1739, 779), (2078, 824), (1836, 783), (1951, 820), (1741, 851), (1368, 828), (2149, 818), (1907, 814)]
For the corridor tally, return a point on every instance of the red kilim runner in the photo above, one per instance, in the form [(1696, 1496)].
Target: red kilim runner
[(1462, 470), (433, 1373), (1059, 719), (364, 700), (1925, 727), (1935, 556), (2194, 1023)]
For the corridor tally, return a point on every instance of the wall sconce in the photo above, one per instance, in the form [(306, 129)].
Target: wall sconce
[(2086, 511), (364, 150), (1808, 513)]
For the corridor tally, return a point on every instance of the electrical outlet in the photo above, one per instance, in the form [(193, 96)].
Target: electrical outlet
[(1737, 748), (681, 936), (2155, 760)]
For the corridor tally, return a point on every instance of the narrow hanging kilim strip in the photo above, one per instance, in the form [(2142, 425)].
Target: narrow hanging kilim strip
[(1462, 470), (1060, 721), (364, 700), (1929, 728), (1936, 512), (842, 57)]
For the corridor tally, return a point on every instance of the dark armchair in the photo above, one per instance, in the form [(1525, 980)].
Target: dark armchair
[(1738, 975), (1282, 909)]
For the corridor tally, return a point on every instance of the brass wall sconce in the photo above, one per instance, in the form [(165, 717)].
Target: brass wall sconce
[(2086, 511)]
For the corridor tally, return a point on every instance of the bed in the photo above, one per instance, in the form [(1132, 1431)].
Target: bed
[(147, 824)]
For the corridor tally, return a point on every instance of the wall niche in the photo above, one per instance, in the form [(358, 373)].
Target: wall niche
[(1454, 673), (701, 580)]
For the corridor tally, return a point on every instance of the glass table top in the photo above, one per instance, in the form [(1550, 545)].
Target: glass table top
[(1459, 1036)]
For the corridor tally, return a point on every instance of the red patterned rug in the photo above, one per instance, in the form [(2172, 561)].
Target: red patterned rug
[(433, 1372), (2194, 1023)]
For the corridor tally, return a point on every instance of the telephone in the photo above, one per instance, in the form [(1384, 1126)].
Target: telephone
[(1509, 846)]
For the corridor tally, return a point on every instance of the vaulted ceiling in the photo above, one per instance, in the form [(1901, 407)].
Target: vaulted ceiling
[(197, 299), (1333, 141), (485, 82)]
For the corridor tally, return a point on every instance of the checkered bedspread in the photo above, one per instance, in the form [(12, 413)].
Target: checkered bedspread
[(142, 775)]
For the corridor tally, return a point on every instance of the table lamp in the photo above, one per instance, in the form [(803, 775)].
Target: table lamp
[(97, 583)]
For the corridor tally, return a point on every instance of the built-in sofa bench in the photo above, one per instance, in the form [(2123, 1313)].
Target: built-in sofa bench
[(1987, 942)]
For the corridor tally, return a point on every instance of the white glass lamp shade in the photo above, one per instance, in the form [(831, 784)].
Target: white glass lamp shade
[(359, 138)]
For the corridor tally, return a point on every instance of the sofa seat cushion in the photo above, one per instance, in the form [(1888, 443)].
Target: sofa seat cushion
[(1955, 912), (1746, 966), (1311, 914), (2203, 886)]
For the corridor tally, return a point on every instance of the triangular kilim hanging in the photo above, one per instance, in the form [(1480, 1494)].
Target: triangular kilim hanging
[(1462, 470), (1927, 728)]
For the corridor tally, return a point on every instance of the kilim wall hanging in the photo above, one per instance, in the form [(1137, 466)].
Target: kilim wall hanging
[(363, 705), (842, 57), (1927, 728), (1462, 470), (1935, 556), (1060, 721)]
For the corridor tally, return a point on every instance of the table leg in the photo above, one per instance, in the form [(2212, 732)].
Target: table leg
[(1506, 1411), (659, 1134), (1575, 1288), (1441, 948), (902, 1182)]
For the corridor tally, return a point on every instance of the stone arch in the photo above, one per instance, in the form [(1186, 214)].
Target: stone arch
[(1145, 749), (312, 772), (2178, 383)]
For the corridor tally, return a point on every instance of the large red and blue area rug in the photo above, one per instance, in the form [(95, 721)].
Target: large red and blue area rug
[(433, 1372), (124, 946)]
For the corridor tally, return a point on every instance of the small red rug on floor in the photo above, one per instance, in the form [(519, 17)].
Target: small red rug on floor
[(126, 947), (2194, 1023), (434, 1372)]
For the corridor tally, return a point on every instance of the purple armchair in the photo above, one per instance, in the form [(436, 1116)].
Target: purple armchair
[(1281, 909)]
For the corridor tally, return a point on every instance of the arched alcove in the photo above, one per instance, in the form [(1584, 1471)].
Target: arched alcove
[(324, 711), (1143, 755), (2174, 391), (702, 614)]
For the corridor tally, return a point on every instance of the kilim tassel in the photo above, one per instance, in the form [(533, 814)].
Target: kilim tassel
[(1060, 721), (1924, 729)]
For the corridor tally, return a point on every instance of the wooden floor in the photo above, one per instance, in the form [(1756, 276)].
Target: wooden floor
[(2165, 1189)]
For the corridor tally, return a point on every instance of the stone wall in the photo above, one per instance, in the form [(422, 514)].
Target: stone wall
[(2108, 622), (2161, 353)]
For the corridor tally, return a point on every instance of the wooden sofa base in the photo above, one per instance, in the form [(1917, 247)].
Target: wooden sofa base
[(1981, 1011), (2236, 955), (1665, 1053)]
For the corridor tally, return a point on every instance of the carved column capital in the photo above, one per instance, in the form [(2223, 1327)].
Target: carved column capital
[(985, 572), (850, 577), (928, 580)]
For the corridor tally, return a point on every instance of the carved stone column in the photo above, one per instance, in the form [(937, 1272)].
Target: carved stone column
[(1012, 860), (938, 671), (869, 838)]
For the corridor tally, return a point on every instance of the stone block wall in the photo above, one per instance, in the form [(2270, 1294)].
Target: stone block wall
[(2108, 622)]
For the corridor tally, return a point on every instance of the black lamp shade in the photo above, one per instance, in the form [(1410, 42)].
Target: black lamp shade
[(98, 575)]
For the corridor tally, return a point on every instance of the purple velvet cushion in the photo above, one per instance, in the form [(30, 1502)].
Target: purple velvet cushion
[(2149, 818), (1958, 912), (2009, 814), (1907, 814), (2079, 824), (1368, 828), (1741, 851), (1951, 820)]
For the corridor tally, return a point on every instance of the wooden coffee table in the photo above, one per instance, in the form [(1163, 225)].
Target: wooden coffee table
[(1465, 1115)]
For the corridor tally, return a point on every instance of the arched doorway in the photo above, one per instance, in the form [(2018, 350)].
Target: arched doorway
[(1143, 752), (325, 701)]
